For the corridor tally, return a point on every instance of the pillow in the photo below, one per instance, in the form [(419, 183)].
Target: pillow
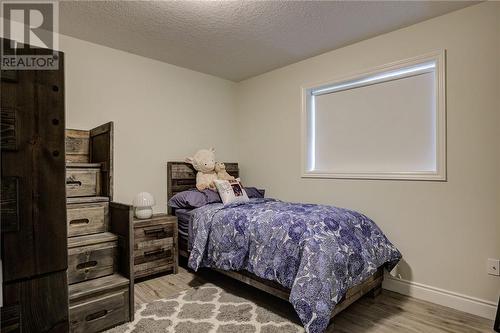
[(254, 192), (231, 191), (193, 198)]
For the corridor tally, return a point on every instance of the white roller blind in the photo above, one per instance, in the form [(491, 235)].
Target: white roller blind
[(385, 125)]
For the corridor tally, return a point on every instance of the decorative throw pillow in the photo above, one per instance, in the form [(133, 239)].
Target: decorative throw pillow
[(231, 191)]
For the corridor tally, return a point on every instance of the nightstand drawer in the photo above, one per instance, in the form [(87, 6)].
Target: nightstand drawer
[(154, 251), (85, 219), (153, 267), (82, 182), (154, 232), (155, 245)]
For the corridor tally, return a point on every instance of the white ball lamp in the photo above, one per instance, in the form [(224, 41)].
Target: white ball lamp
[(143, 204)]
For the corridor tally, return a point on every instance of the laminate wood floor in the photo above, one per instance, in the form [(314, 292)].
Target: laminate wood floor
[(389, 312)]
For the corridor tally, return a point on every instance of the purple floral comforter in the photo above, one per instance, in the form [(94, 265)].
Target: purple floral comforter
[(317, 251)]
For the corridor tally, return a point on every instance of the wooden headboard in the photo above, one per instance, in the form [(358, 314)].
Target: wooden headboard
[(181, 176)]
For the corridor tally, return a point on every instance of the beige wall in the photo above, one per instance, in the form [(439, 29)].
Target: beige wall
[(161, 112), (445, 230)]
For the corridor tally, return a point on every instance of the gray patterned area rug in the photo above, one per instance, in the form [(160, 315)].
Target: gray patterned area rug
[(207, 309)]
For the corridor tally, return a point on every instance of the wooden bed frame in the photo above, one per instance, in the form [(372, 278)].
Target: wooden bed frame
[(181, 177)]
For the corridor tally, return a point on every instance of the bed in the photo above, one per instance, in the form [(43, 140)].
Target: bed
[(181, 177)]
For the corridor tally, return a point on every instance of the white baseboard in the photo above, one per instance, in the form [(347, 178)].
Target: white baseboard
[(476, 306)]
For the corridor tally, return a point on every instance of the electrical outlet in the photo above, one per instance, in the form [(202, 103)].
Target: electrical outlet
[(494, 266)]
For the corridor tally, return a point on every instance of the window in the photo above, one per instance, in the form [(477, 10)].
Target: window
[(388, 123)]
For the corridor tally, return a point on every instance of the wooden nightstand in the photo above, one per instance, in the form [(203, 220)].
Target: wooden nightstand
[(155, 245)]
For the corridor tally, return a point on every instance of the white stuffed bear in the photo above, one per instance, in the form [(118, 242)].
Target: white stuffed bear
[(220, 169), (204, 162)]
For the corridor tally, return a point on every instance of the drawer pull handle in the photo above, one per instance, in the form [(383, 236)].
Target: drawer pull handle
[(153, 252), (85, 265), (79, 221), (96, 315), (73, 182), (154, 231)]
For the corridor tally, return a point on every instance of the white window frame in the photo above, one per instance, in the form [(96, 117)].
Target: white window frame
[(370, 76)]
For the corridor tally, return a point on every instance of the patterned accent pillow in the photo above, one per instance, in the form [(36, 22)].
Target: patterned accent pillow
[(231, 191)]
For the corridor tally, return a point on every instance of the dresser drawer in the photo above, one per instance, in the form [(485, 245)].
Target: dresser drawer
[(82, 182), (154, 232), (85, 219), (97, 313), (92, 260), (153, 267)]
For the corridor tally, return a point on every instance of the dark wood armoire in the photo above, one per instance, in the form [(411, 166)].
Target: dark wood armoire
[(33, 198)]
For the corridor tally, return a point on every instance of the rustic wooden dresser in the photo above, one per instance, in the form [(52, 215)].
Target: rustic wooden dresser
[(100, 235), (155, 245)]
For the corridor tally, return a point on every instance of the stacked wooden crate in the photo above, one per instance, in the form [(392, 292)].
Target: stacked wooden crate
[(100, 235)]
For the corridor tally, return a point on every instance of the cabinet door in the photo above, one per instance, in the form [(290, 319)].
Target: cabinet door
[(101, 151), (37, 305), (33, 198)]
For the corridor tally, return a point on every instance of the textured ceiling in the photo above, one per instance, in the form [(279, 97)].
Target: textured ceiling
[(239, 39)]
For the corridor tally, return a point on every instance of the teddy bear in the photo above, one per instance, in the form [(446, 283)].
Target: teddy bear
[(204, 162), (220, 169)]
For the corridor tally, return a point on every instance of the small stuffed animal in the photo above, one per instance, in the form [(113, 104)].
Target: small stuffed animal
[(220, 169), (204, 162)]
